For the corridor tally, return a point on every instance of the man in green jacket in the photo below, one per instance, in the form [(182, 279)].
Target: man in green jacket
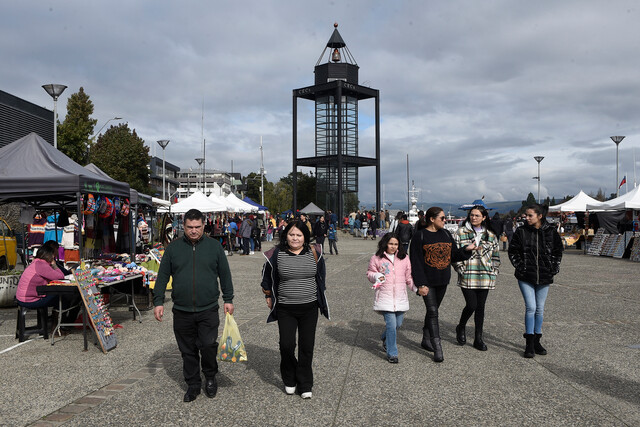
[(196, 263)]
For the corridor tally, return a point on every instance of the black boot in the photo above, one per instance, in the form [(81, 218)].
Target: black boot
[(528, 351), (437, 349), (536, 345), (478, 342), (426, 340), (461, 334)]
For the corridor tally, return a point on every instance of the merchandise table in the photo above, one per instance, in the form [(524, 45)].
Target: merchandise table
[(62, 290)]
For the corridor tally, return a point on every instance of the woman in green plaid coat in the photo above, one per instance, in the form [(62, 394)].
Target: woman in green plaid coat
[(477, 275)]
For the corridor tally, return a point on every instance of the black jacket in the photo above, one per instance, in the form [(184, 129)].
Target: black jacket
[(536, 253), (404, 231)]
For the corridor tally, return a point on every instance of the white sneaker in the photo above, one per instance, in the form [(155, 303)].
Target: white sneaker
[(251, 253), (289, 390), (306, 395)]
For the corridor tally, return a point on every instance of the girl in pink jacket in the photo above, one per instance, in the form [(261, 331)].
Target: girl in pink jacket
[(390, 272)]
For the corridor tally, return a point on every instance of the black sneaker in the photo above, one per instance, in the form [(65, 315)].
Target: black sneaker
[(392, 359), (384, 344)]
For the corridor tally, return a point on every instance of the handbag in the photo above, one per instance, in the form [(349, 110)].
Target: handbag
[(504, 238), (231, 347)]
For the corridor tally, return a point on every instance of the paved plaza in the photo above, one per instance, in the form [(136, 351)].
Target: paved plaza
[(589, 378)]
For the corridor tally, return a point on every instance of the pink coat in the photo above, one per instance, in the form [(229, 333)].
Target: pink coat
[(392, 294), (38, 273)]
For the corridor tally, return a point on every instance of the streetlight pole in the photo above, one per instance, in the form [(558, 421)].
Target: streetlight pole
[(261, 174), (163, 143), (55, 90), (200, 160), (538, 159), (617, 140)]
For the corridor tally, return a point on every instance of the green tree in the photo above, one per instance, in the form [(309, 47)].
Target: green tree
[(351, 202), (531, 199), (121, 154), (252, 182), (553, 201), (74, 132), (306, 188), (278, 196)]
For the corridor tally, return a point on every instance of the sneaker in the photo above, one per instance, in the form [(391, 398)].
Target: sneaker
[(306, 395), (384, 344), (251, 253), (290, 390), (392, 359)]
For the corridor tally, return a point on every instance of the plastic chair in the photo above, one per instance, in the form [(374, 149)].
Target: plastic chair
[(41, 328)]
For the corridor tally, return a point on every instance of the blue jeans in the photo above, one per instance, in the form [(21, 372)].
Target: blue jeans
[(393, 320), (534, 298)]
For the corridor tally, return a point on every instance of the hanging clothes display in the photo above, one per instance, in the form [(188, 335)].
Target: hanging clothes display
[(51, 229), (36, 231)]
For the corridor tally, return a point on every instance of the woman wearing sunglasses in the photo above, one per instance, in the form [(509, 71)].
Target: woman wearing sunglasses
[(432, 251)]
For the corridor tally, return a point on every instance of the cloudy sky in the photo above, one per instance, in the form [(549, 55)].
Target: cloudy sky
[(470, 90)]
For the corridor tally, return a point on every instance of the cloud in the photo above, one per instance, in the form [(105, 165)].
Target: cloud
[(470, 90)]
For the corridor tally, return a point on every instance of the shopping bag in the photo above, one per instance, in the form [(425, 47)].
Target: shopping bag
[(231, 347)]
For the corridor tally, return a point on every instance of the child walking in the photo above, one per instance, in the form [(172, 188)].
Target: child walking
[(390, 272), (333, 238)]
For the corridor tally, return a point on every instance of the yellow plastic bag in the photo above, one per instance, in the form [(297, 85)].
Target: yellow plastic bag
[(231, 347)]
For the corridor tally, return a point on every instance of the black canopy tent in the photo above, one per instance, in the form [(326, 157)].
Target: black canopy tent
[(33, 172)]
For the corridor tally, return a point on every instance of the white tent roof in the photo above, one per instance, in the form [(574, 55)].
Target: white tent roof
[(197, 201), (161, 202), (239, 204), (223, 201), (630, 200), (577, 203)]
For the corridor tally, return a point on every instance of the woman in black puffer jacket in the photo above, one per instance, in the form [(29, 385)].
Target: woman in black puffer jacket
[(535, 251)]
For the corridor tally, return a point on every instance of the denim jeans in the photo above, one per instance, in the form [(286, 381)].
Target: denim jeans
[(393, 320), (534, 298)]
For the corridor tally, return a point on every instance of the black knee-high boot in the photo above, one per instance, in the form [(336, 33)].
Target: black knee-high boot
[(435, 340), (426, 340)]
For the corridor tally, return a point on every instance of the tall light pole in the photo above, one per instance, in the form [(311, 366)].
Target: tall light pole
[(538, 159), (262, 172), (617, 140), (200, 160), (55, 90), (163, 143)]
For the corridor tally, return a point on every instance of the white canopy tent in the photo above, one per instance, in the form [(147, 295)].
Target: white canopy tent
[(197, 201), (577, 203), (239, 204), (223, 201), (630, 200)]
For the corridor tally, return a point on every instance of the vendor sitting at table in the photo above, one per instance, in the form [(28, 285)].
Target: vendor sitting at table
[(40, 272)]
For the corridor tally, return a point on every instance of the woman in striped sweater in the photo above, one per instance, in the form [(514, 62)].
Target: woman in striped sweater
[(293, 282), (477, 275)]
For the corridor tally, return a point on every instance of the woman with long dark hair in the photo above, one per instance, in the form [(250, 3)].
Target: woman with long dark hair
[(293, 282), (535, 251), (477, 275), (390, 272), (432, 251)]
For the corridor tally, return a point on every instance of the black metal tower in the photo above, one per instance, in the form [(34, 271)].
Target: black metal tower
[(336, 94)]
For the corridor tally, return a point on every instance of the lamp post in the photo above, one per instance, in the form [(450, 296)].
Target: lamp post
[(538, 159), (55, 90), (617, 140), (200, 160), (163, 143), (262, 172)]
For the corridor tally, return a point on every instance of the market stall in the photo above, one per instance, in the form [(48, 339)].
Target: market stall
[(39, 176)]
